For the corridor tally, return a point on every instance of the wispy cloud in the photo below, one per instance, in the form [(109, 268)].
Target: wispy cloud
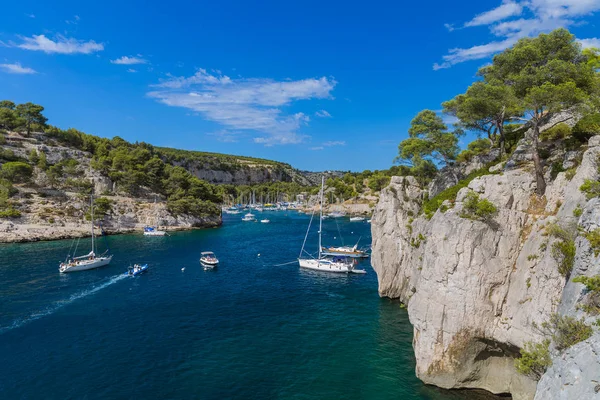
[(60, 45), (245, 104), (30, 15), (335, 143), (513, 20), (506, 10), (127, 60), (17, 68), (317, 148), (323, 114), (591, 42), (73, 21), (132, 70)]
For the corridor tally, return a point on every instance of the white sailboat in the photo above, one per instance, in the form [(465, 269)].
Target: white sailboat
[(90, 260), (337, 264)]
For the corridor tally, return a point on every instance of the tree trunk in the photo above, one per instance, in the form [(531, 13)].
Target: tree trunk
[(502, 141), (539, 171)]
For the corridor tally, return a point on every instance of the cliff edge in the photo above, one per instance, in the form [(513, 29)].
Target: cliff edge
[(478, 288)]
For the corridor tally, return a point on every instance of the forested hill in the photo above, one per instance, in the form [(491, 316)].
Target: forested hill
[(47, 173)]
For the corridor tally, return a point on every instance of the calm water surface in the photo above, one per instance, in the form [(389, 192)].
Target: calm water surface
[(248, 330)]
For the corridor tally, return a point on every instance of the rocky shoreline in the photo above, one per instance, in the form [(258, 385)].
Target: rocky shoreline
[(11, 232)]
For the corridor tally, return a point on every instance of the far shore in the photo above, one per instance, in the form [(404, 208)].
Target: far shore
[(26, 233)]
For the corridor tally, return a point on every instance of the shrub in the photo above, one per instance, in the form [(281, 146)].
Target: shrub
[(535, 359), (570, 173), (566, 331), (464, 156), (477, 209), (555, 169), (577, 212), (591, 188), (430, 206), (591, 304), (563, 250), (594, 238), (6, 189), (592, 283), (16, 171), (560, 131), (10, 213), (33, 156), (587, 127)]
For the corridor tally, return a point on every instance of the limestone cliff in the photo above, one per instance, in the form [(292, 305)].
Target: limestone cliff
[(475, 290)]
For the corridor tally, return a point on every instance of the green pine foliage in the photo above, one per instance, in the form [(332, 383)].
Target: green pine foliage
[(477, 209), (535, 359)]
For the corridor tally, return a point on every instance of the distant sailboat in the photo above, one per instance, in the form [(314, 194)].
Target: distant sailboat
[(90, 260), (332, 263)]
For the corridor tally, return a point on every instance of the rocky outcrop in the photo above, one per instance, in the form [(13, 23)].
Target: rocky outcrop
[(450, 175), (243, 174), (476, 289), (64, 217)]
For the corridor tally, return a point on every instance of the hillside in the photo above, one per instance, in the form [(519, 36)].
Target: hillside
[(47, 174)]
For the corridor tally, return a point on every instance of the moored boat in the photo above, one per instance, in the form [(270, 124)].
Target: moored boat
[(324, 262), (90, 260), (249, 218), (208, 259), (357, 219), (153, 231), (348, 251)]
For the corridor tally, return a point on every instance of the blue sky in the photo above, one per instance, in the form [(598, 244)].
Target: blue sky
[(318, 84)]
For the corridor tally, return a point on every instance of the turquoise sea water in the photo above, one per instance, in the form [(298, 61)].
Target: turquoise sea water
[(247, 330)]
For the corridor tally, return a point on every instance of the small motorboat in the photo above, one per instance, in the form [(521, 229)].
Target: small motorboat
[(137, 269), (249, 218), (208, 260), (265, 221), (357, 219)]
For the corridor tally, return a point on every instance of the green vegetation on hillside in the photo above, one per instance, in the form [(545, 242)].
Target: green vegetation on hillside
[(526, 87)]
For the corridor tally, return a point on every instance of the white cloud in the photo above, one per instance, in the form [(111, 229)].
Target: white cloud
[(74, 21), (591, 42), (60, 45), (126, 60), (17, 68), (317, 148), (450, 27), (506, 10), (245, 104), (323, 114), (334, 143), (131, 70), (542, 16)]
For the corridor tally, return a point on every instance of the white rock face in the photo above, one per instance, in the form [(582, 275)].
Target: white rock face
[(574, 374), (474, 289)]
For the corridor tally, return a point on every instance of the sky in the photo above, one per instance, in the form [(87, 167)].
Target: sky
[(322, 85)]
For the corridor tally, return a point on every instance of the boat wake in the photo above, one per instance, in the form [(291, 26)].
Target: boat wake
[(59, 304)]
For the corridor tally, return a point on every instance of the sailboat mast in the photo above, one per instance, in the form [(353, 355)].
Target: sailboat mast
[(92, 212), (321, 214)]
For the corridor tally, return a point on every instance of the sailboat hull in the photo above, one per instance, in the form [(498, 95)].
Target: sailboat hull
[(325, 265), (84, 265)]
